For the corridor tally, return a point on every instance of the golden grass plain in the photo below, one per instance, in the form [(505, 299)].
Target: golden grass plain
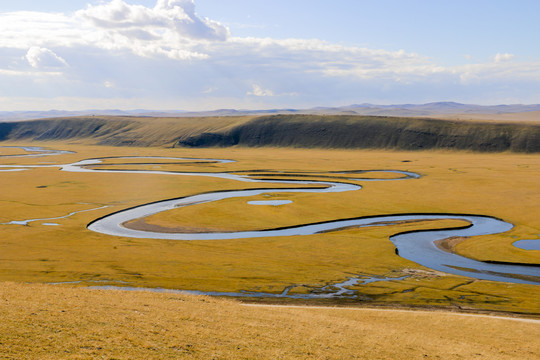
[(501, 185), (50, 322)]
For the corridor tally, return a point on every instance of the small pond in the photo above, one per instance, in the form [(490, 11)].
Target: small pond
[(528, 244), (270, 202)]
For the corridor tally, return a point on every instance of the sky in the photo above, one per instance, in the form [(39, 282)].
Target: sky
[(258, 54)]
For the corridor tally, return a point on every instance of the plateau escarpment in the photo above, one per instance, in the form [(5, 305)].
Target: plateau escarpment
[(374, 132), (306, 131)]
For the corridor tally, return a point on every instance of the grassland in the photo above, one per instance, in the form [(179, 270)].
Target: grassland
[(452, 182), (72, 322), (49, 322)]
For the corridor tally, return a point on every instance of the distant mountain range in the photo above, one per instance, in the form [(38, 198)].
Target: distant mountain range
[(411, 110)]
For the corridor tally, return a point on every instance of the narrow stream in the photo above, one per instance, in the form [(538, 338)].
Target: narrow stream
[(26, 222), (338, 290)]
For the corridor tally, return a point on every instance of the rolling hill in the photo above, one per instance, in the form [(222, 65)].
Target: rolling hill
[(306, 131)]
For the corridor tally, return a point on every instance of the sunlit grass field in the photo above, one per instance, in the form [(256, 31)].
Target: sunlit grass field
[(500, 185), (50, 322)]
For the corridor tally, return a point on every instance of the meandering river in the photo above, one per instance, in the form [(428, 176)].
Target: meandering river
[(417, 246)]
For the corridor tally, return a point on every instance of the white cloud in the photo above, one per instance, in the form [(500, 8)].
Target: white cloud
[(40, 58), (167, 16), (503, 57), (210, 90), (320, 57), (34, 74), (24, 29), (139, 52), (171, 29), (502, 71), (258, 91)]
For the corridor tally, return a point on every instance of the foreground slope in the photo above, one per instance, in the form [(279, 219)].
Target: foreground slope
[(50, 322)]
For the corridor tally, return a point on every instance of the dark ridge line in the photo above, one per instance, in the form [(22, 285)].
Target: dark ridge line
[(388, 215), (248, 172), (321, 172), (509, 263), (253, 171), (154, 157), (462, 227), (161, 163), (314, 175), (141, 171), (363, 171), (530, 278), (303, 188), (337, 172)]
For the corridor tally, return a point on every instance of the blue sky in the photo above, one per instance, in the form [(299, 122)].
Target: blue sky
[(254, 54)]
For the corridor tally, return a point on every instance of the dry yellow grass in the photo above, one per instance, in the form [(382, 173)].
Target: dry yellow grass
[(50, 322), (452, 183)]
